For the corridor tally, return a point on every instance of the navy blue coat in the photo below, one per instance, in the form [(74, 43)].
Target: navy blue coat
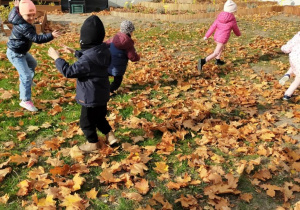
[(23, 33), (91, 72), (122, 49), (119, 61)]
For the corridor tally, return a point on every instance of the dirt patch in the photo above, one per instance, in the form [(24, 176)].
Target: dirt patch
[(284, 17)]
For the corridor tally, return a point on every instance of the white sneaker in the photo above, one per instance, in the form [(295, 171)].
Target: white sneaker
[(111, 138), (284, 79), (28, 105)]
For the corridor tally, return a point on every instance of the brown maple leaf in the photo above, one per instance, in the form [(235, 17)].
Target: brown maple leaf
[(4, 172), (142, 186)]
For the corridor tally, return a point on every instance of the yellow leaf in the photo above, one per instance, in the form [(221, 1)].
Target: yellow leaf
[(76, 153), (47, 202), (289, 115), (33, 128), (161, 167), (267, 136), (78, 181), (4, 199), (92, 194), (71, 202)]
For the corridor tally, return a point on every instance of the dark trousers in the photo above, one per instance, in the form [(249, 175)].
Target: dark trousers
[(116, 83), (92, 118)]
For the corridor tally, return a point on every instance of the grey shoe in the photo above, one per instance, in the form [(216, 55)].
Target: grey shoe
[(285, 78)]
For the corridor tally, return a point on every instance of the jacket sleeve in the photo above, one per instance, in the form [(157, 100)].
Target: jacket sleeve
[(132, 55), (211, 29), (236, 29), (30, 33), (75, 70), (287, 48), (12, 14)]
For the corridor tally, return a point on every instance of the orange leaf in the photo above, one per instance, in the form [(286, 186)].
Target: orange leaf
[(187, 202), (54, 161), (18, 159), (246, 197), (271, 189), (263, 174), (24, 186), (296, 166), (4, 172), (138, 168), (142, 186), (132, 196), (21, 136), (60, 170)]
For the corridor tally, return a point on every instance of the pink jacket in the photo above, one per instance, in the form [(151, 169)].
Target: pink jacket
[(222, 26), (293, 48)]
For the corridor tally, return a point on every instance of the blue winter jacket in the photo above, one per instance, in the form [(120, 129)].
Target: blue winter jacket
[(23, 33), (122, 49), (119, 61), (91, 72)]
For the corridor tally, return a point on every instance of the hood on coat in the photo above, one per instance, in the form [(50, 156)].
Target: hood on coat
[(100, 50), (15, 18), (122, 41), (225, 17)]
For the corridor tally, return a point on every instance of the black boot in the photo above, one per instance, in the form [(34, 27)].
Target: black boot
[(219, 62), (201, 62)]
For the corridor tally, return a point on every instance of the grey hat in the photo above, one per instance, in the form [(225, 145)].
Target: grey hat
[(127, 27)]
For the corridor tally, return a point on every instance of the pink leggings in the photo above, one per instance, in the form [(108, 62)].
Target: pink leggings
[(217, 53)]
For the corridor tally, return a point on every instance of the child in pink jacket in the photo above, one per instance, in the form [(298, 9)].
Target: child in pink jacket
[(222, 27), (293, 48)]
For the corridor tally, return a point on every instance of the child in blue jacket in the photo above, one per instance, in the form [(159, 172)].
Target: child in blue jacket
[(92, 90), (23, 34), (121, 49)]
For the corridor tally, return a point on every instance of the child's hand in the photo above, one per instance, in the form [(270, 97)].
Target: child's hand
[(53, 53), (68, 49), (56, 33), (205, 38), (16, 3)]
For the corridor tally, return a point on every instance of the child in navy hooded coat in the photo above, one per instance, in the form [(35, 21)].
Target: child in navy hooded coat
[(92, 90)]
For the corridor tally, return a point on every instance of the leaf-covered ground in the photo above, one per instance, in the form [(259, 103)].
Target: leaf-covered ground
[(222, 139)]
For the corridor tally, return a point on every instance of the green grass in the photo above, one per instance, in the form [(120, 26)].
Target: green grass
[(169, 56)]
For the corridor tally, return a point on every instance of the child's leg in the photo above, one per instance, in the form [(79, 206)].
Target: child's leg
[(293, 86), (116, 83), (220, 52), (31, 64), (88, 124), (217, 52), (103, 125), (101, 122), (25, 72)]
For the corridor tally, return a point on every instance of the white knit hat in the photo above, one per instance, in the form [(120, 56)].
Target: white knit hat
[(230, 6), (127, 27)]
